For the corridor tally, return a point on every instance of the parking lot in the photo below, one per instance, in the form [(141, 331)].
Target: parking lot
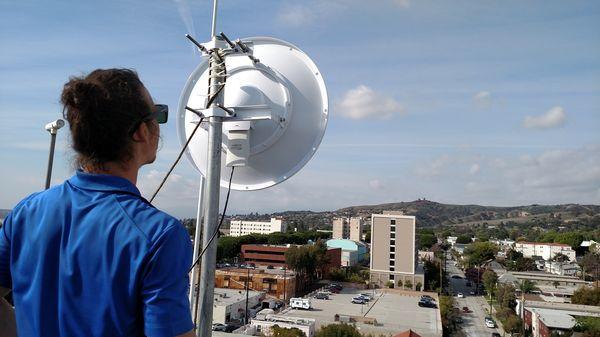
[(394, 312)]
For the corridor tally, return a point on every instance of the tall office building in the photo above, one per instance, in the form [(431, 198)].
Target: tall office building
[(348, 228), (393, 253), (241, 227)]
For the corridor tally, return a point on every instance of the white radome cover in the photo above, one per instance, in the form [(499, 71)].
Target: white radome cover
[(290, 84)]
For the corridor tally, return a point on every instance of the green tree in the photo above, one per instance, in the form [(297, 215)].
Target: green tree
[(408, 284), (555, 284), (338, 330), (489, 279), (389, 284), (399, 283), (505, 295), (526, 286), (277, 331), (512, 324), (426, 240), (587, 296), (447, 312), (522, 264), (572, 239), (479, 252), (463, 239), (560, 257), (309, 261), (590, 264), (418, 286)]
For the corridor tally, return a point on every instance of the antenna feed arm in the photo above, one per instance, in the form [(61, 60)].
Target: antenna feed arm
[(53, 127)]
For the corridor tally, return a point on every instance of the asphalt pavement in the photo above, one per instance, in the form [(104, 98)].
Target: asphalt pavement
[(473, 322)]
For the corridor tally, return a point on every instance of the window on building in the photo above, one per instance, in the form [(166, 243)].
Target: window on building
[(392, 278), (392, 249), (392, 268), (393, 222), (392, 242), (392, 235), (392, 256)]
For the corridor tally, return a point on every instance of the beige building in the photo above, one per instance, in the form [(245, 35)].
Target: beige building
[(241, 227), (348, 228), (393, 253)]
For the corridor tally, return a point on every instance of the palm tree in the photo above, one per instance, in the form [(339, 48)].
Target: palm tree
[(526, 286)]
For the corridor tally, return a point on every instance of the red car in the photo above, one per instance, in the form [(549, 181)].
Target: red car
[(466, 310)]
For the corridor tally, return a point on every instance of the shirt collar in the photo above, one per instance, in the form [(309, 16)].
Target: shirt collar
[(103, 182)]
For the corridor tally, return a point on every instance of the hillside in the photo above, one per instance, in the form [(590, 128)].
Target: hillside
[(431, 214)]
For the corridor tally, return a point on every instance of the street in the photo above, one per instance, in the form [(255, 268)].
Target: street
[(473, 322)]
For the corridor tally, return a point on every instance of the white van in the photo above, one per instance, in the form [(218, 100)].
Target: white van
[(300, 303)]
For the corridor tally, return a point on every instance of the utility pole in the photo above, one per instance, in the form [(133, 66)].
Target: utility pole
[(247, 286), (284, 287)]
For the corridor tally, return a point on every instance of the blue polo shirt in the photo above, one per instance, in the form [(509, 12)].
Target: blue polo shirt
[(91, 257)]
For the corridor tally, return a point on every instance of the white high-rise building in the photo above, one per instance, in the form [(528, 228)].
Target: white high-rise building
[(242, 227)]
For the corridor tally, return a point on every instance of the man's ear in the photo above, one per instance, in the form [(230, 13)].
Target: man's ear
[(142, 133)]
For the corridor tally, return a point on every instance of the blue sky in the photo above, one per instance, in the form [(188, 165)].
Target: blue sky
[(483, 102)]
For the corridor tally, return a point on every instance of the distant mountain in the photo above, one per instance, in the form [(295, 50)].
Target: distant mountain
[(430, 213)]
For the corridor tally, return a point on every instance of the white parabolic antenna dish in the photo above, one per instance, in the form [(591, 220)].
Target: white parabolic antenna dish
[(285, 84)]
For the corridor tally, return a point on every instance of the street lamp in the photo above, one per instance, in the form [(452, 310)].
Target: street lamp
[(52, 127)]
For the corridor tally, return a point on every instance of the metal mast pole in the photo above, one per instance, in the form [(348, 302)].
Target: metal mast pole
[(197, 248), (51, 157), (213, 178)]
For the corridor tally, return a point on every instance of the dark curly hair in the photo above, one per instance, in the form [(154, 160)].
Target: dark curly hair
[(102, 108)]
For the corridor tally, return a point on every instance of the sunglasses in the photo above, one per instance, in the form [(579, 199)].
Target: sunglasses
[(160, 112)]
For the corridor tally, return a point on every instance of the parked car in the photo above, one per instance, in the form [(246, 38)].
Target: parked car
[(360, 297), (219, 327), (460, 295), (489, 322), (427, 304), (472, 293), (269, 267), (335, 285), (367, 295), (427, 297), (458, 320), (359, 300), (321, 296), (466, 310)]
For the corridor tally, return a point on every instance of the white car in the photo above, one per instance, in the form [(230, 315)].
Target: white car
[(490, 322), (460, 295)]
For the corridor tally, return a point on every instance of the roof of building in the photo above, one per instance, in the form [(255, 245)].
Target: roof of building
[(408, 333), (543, 244), (588, 243), (572, 309), (225, 296), (345, 244), (556, 319)]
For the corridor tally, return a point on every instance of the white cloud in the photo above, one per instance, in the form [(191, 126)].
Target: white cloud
[(553, 118), (474, 168), (297, 15), (363, 103), (483, 99), (402, 3), (375, 184)]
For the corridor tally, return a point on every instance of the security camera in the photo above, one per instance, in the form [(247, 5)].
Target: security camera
[(54, 126)]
